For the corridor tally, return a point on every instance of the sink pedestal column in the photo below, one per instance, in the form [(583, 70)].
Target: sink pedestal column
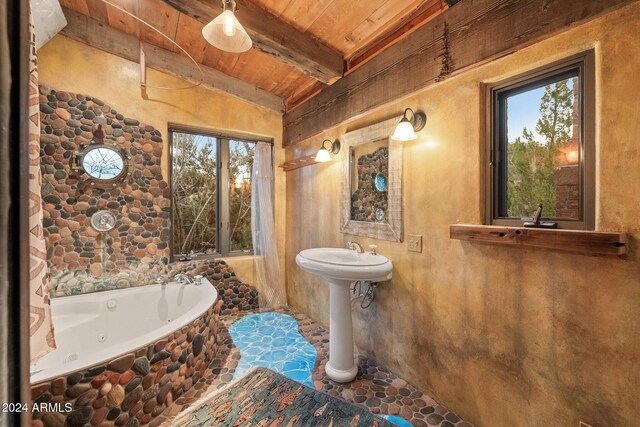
[(340, 267), (341, 366)]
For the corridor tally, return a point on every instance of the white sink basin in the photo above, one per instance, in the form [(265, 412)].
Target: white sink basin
[(339, 267), (345, 264)]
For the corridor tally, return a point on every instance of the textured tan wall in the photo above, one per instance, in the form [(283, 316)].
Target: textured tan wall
[(503, 336), (71, 66)]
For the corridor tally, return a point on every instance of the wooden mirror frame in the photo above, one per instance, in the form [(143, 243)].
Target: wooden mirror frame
[(390, 230)]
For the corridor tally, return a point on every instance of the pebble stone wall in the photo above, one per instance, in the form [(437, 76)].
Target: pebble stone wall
[(135, 251), (135, 388), (365, 200), (235, 295), (141, 202)]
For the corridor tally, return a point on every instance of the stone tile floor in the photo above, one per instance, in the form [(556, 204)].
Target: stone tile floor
[(374, 388)]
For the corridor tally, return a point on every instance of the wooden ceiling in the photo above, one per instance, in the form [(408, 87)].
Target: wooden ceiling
[(346, 26), (300, 46)]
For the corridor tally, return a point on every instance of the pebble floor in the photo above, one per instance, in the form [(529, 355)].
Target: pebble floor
[(374, 388)]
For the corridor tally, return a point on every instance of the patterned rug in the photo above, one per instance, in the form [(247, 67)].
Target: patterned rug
[(263, 398)]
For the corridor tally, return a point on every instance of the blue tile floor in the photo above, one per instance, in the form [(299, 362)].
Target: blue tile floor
[(272, 340), (401, 422)]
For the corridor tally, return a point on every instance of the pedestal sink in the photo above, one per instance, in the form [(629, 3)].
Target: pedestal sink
[(339, 268)]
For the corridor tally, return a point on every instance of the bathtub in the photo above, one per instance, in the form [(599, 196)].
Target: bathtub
[(116, 350)]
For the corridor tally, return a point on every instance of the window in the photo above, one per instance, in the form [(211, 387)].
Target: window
[(541, 150), (208, 218)]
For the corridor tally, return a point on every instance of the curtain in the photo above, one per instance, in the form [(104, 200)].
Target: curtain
[(270, 284), (41, 326)]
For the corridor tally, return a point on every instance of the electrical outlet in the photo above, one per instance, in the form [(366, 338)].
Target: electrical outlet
[(414, 243)]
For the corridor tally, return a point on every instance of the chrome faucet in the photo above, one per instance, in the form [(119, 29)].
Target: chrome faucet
[(355, 246), (183, 279), (162, 269)]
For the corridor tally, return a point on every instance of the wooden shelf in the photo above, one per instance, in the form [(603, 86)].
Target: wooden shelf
[(580, 241), (299, 163)]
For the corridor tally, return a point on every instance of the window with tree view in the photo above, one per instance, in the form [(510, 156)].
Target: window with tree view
[(211, 194), (240, 166), (542, 151)]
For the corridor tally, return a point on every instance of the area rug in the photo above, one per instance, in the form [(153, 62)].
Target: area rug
[(264, 398)]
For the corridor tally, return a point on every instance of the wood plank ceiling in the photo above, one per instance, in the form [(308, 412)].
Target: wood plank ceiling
[(351, 30)]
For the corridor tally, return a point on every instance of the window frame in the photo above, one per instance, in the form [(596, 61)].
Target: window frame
[(223, 239), (495, 137)]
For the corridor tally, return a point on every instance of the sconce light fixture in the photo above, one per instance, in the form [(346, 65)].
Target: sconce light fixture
[(324, 155), (225, 32), (407, 128)]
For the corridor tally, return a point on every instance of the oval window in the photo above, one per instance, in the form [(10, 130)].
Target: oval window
[(103, 163)]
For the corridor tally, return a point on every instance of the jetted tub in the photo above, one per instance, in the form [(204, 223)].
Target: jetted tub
[(126, 353)]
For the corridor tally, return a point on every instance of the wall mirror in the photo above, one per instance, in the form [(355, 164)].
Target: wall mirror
[(372, 183), (369, 170)]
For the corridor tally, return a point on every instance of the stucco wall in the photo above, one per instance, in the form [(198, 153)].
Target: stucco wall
[(71, 66), (503, 336)]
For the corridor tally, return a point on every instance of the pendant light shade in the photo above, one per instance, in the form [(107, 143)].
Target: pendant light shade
[(225, 32)]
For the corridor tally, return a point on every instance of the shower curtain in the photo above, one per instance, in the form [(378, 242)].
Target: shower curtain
[(41, 326), (270, 282)]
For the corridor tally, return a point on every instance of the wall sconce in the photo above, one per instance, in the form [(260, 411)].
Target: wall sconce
[(225, 32), (407, 128), (324, 155)]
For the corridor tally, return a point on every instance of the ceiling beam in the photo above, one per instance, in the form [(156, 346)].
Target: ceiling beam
[(467, 35), (273, 37), (426, 13), (101, 36), (302, 94)]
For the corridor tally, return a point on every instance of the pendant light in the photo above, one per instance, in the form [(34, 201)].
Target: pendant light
[(407, 128), (225, 32)]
